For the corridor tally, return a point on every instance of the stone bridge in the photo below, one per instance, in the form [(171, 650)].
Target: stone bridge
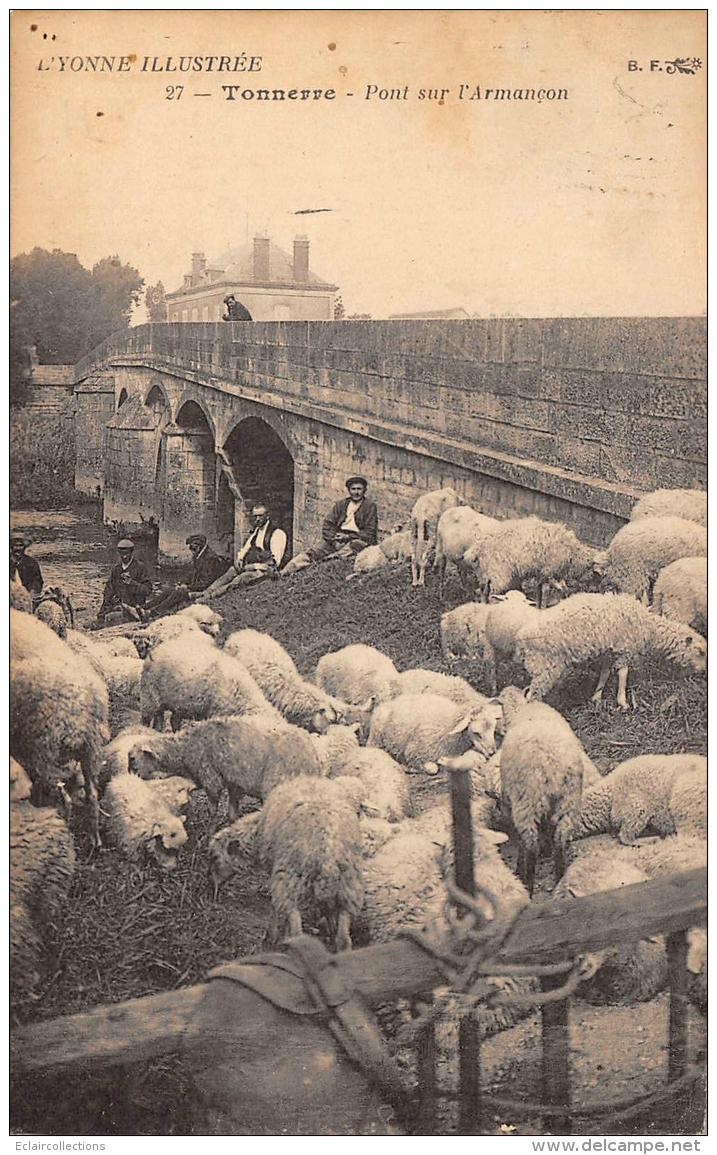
[(565, 418)]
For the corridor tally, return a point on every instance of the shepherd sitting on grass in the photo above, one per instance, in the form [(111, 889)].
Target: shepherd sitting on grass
[(350, 526)]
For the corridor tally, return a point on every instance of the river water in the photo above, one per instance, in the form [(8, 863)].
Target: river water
[(75, 551)]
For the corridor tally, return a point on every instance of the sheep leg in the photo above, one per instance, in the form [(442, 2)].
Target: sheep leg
[(543, 594), (527, 860), (343, 931), (440, 565), (295, 927), (622, 687), (272, 935), (607, 664), (490, 668)]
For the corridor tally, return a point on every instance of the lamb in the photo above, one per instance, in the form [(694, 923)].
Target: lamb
[(457, 530), (20, 784), (196, 617), (641, 549), (42, 863), (397, 546), (614, 627), (55, 610), (418, 729), (308, 834), (542, 765), (638, 793), (463, 631), (193, 679), (688, 503), (680, 592), (299, 701), (424, 523), (59, 709), (244, 755), (527, 549), (356, 673), (503, 619), (635, 972), (386, 789), (138, 822), (20, 598), (334, 747), (369, 560), (458, 690)]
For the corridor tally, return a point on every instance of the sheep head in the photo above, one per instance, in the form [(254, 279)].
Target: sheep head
[(480, 726), (20, 784), (230, 846)]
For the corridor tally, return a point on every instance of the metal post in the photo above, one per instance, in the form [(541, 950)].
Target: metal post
[(556, 1056), (469, 1032)]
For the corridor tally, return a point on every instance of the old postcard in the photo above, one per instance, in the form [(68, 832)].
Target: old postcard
[(358, 573)]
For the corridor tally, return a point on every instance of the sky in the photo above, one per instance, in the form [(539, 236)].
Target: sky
[(594, 205)]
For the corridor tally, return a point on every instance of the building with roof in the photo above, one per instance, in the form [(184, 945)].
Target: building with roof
[(269, 283)]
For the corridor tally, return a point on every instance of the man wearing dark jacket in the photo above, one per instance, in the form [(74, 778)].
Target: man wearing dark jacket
[(207, 566), (128, 587), (350, 526), (26, 567)]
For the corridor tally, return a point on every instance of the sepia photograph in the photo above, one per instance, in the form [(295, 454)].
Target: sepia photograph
[(358, 575)]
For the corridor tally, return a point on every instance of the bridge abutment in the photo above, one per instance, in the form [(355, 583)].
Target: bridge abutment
[(94, 406)]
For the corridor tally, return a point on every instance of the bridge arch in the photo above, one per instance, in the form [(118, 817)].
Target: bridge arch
[(193, 413), (158, 402), (262, 467), (123, 395), (186, 475)]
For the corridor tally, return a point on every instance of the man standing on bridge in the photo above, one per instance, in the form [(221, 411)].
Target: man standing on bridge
[(351, 525)]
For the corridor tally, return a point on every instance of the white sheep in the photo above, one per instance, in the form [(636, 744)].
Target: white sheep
[(173, 791), (20, 598), (55, 610), (397, 546), (688, 503), (541, 767), (509, 614), (20, 784), (387, 794), (418, 729), (638, 794), (680, 592), (197, 617), (193, 679), (334, 747), (639, 550), (138, 822), (59, 709), (420, 681), (369, 560), (244, 755), (120, 669), (424, 524), (456, 532), (633, 972), (42, 863), (614, 627), (308, 834), (276, 674), (356, 673), (463, 631), (528, 549)]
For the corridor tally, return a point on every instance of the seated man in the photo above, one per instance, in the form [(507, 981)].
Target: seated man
[(351, 525), (26, 567), (206, 568), (128, 587), (260, 557)]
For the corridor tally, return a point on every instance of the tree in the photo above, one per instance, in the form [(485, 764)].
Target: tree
[(156, 302), (64, 309), (339, 310)]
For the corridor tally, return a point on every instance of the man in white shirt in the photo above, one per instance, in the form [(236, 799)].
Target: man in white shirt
[(260, 557)]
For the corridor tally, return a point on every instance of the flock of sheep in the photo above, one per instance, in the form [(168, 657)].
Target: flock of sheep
[(330, 760)]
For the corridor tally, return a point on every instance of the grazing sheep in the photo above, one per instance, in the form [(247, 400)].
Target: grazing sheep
[(688, 503), (638, 793), (369, 560), (334, 747), (242, 755), (196, 617), (386, 788), (418, 729), (299, 701), (457, 530), (115, 756), (680, 592), (174, 792), (614, 627), (120, 669), (639, 550), (424, 524), (397, 546), (421, 681), (527, 549), (463, 631), (20, 598), (138, 822), (506, 617), (308, 834), (356, 673), (55, 609), (59, 709), (20, 784), (42, 863), (634, 972), (193, 679), (541, 768)]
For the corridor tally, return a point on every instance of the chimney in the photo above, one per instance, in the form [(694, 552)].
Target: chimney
[(301, 258), (199, 267), (261, 259)]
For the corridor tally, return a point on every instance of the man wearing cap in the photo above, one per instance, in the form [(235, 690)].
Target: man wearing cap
[(260, 556), (27, 568), (350, 526), (207, 566), (128, 587)]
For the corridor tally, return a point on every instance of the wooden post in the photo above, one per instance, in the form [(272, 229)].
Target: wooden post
[(556, 1056), (679, 1006), (469, 1122)]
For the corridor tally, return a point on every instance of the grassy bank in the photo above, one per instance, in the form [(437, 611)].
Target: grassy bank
[(42, 459)]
